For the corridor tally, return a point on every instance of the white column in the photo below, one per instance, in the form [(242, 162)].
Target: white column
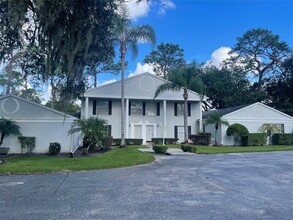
[(165, 118), (127, 119), (86, 108), (200, 118)]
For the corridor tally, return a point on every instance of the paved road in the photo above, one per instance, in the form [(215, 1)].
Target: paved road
[(231, 186)]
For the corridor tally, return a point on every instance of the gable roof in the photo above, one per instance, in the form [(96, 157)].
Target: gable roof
[(222, 111), (140, 86), (17, 100), (236, 109)]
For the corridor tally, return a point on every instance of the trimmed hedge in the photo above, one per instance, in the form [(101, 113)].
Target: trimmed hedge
[(167, 140), (188, 148), (201, 139), (282, 139), (254, 139), (129, 141), (54, 148), (237, 131), (160, 149)]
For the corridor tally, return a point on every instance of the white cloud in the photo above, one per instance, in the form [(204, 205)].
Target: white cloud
[(218, 56), (165, 5), (138, 9), (142, 8), (142, 68)]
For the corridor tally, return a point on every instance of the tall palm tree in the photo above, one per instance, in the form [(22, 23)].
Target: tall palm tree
[(93, 129), (8, 127), (216, 119), (184, 77), (127, 37)]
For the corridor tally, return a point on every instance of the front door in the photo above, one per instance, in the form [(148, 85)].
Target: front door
[(149, 132), (180, 133)]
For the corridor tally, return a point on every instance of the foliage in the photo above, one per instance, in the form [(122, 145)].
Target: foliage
[(160, 149), (188, 148), (184, 77), (254, 139), (282, 139), (270, 129), (216, 119), (166, 140), (59, 105), (27, 142), (107, 143), (201, 139), (114, 158), (165, 58), (237, 131), (7, 127), (228, 87), (127, 38), (93, 129), (66, 36), (260, 52), (54, 148), (129, 141), (280, 89)]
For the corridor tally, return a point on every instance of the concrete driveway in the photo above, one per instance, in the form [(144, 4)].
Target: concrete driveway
[(227, 186)]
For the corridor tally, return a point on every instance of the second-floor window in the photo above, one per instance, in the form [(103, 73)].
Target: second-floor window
[(151, 109), (136, 108), (144, 108), (102, 107)]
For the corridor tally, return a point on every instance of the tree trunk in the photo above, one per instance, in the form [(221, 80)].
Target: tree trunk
[(95, 80), (185, 96), (123, 113), (9, 74)]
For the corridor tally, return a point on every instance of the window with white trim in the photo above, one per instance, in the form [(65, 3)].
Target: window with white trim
[(180, 109), (136, 108), (151, 109), (102, 107)]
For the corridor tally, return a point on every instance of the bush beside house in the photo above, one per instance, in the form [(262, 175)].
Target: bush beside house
[(254, 139), (282, 139), (237, 131), (201, 139)]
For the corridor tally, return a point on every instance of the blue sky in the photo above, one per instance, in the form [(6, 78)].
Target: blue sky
[(201, 27)]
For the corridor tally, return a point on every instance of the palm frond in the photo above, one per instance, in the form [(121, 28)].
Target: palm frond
[(168, 86)]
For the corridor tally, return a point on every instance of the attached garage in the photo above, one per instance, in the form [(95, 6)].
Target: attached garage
[(35, 120)]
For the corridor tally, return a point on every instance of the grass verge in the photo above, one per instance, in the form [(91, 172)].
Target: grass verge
[(229, 149), (117, 157)]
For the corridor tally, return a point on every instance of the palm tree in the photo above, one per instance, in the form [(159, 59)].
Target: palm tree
[(216, 119), (184, 77), (93, 129), (127, 37), (8, 127)]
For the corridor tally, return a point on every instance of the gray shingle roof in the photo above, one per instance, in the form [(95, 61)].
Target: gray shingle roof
[(223, 111)]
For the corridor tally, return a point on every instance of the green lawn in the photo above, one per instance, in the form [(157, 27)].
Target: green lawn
[(229, 149), (117, 157)]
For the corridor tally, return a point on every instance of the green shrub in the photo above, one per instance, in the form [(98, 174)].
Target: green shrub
[(27, 142), (167, 140), (129, 141), (54, 148), (107, 142), (160, 149), (237, 131), (201, 138), (282, 139), (188, 148), (254, 139)]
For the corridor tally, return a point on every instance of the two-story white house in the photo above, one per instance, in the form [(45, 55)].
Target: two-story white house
[(146, 117)]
